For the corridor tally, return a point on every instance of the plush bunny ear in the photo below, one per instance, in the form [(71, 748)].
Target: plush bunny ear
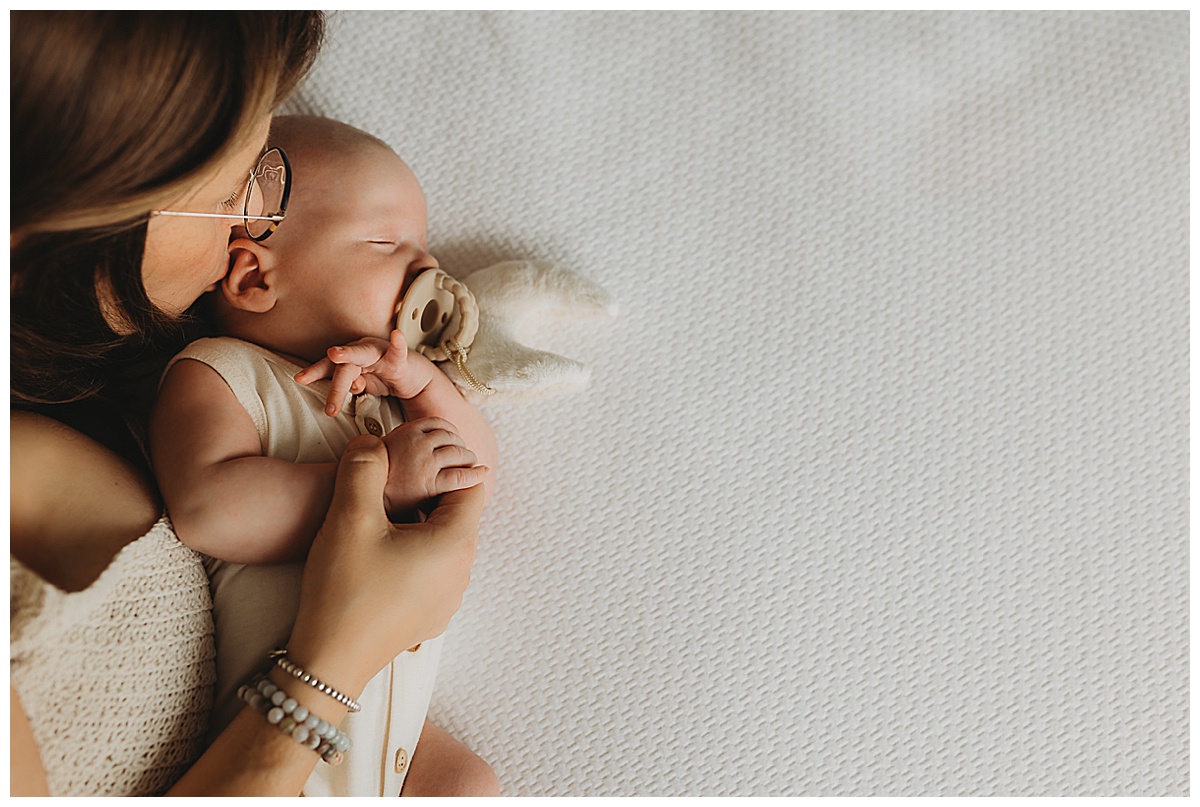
[(509, 294)]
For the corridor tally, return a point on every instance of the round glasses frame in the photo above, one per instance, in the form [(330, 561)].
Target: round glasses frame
[(264, 164)]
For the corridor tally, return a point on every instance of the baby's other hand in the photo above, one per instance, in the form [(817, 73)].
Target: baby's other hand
[(426, 458), (369, 365)]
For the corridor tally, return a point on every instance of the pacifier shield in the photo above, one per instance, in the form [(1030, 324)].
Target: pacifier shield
[(436, 308)]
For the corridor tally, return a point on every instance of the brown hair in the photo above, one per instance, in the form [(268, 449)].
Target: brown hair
[(115, 114)]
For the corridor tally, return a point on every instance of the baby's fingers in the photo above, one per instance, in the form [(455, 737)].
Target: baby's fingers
[(315, 372), (455, 455), (450, 479), (397, 343), (344, 376), (363, 352)]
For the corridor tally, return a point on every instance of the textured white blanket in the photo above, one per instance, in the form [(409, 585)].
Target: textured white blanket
[(880, 482)]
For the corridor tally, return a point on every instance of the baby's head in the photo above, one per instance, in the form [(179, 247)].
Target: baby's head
[(337, 267)]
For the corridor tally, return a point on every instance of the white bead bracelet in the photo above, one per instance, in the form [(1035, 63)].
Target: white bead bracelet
[(295, 720)]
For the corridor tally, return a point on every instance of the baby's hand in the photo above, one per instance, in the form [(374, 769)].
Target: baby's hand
[(369, 365), (426, 458)]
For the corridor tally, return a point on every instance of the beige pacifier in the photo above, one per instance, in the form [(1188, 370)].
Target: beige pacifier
[(439, 318), (437, 308)]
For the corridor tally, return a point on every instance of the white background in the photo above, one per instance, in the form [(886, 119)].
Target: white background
[(880, 486)]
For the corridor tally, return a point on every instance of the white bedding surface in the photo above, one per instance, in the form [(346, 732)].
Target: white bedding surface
[(880, 485)]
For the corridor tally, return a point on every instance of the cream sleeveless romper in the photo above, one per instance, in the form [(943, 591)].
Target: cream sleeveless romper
[(254, 606)]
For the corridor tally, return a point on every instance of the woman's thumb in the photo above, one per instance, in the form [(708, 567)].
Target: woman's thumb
[(459, 510), (358, 491)]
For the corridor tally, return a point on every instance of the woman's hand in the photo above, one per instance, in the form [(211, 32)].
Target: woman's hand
[(369, 365), (372, 589)]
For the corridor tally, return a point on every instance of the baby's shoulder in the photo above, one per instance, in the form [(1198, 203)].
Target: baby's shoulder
[(216, 350), (241, 364), (227, 372)]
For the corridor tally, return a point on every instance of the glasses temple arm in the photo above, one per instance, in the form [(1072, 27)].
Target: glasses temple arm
[(276, 218)]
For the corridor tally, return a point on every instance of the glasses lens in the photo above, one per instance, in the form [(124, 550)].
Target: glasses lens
[(268, 193)]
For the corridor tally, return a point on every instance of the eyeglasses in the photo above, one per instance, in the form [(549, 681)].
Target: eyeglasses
[(266, 197)]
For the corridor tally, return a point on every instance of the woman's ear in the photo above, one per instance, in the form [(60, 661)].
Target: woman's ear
[(250, 283)]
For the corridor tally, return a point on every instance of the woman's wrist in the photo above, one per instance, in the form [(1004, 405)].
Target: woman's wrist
[(340, 671), (293, 719), (315, 702), (299, 673)]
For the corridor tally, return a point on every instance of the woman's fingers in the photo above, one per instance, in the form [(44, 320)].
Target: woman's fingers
[(357, 507), (458, 512)]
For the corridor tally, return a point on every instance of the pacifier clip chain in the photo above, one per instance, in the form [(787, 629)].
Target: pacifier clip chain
[(458, 355)]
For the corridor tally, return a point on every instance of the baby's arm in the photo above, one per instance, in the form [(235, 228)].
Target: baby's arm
[(224, 497), (440, 398)]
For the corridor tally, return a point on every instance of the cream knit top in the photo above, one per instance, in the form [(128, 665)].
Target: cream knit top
[(117, 678)]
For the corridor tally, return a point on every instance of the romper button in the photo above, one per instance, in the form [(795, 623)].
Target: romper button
[(374, 427), (401, 760)]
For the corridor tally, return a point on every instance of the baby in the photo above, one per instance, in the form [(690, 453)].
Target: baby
[(248, 427)]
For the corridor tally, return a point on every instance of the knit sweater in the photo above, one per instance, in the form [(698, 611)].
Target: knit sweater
[(117, 678)]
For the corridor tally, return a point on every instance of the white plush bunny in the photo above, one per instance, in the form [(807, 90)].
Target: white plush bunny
[(508, 295)]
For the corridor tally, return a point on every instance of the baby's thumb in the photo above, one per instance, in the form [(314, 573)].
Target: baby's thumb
[(358, 492)]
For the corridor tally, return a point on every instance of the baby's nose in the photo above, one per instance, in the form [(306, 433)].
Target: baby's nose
[(421, 261)]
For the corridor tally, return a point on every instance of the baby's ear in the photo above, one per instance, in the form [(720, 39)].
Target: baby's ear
[(249, 285)]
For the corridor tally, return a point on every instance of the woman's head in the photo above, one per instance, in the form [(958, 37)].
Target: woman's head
[(115, 114)]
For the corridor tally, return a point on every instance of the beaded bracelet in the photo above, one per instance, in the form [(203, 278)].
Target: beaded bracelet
[(294, 670), (295, 720)]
